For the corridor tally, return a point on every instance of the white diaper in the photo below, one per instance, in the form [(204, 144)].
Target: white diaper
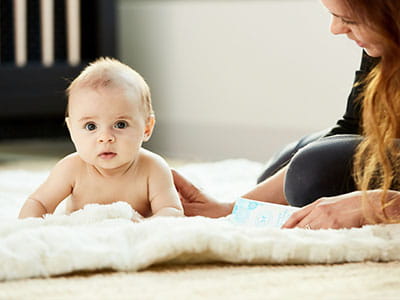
[(256, 213)]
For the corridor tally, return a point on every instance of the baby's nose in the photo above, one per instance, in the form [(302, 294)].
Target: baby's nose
[(106, 137)]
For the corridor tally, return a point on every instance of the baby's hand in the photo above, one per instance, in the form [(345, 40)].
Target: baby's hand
[(136, 217)]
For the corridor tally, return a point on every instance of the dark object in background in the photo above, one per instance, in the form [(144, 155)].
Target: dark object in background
[(32, 95)]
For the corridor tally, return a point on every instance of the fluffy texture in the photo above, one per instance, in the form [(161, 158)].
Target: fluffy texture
[(104, 237)]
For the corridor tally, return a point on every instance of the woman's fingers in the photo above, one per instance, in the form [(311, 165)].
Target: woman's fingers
[(343, 211), (188, 191), (179, 180), (297, 219)]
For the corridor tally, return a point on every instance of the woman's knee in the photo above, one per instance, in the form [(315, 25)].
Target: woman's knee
[(321, 169), (283, 157)]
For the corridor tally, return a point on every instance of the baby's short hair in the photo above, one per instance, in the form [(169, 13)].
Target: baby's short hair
[(110, 72)]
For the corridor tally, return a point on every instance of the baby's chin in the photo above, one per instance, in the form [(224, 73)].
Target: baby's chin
[(108, 161), (111, 165)]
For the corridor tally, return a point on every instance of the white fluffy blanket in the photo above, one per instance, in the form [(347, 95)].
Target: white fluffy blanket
[(103, 237)]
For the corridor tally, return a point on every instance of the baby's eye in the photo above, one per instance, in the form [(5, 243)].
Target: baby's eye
[(121, 125), (90, 126)]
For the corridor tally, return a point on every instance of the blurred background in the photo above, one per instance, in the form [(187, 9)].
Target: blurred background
[(229, 78)]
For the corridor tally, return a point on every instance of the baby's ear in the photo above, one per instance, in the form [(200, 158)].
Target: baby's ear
[(148, 130)]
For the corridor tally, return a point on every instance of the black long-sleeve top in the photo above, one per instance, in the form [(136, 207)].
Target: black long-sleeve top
[(350, 123)]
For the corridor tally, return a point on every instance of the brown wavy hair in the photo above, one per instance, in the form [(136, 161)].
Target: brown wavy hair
[(377, 158)]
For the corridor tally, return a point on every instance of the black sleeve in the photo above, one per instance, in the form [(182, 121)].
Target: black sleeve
[(350, 123)]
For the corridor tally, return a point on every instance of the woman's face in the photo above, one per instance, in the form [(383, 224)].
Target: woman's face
[(343, 23)]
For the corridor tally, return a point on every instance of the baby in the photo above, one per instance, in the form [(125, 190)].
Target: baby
[(109, 116)]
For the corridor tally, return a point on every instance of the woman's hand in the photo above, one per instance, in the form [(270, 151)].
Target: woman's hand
[(197, 203), (344, 211)]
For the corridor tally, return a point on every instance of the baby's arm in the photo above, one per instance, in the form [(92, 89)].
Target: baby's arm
[(55, 189), (164, 198)]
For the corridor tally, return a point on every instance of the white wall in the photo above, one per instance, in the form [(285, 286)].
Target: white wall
[(236, 78)]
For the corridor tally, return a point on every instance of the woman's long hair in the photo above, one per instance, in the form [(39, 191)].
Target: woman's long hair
[(377, 158)]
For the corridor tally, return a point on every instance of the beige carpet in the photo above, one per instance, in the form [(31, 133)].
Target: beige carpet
[(347, 281)]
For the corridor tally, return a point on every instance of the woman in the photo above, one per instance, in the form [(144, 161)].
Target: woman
[(348, 176)]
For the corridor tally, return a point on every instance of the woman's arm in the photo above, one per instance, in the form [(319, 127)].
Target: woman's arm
[(270, 190), (198, 203)]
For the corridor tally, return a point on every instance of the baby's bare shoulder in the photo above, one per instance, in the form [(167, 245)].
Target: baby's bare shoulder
[(150, 159), (69, 163), (70, 160)]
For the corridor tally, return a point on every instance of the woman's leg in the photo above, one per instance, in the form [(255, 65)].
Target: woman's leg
[(321, 169), (283, 157)]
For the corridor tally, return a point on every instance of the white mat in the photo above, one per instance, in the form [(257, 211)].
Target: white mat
[(101, 237)]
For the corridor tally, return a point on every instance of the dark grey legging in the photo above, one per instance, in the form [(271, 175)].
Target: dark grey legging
[(321, 168)]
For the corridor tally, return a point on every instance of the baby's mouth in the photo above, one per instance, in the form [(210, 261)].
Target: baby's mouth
[(107, 155)]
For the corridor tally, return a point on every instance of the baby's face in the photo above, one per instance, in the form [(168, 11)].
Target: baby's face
[(106, 127)]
